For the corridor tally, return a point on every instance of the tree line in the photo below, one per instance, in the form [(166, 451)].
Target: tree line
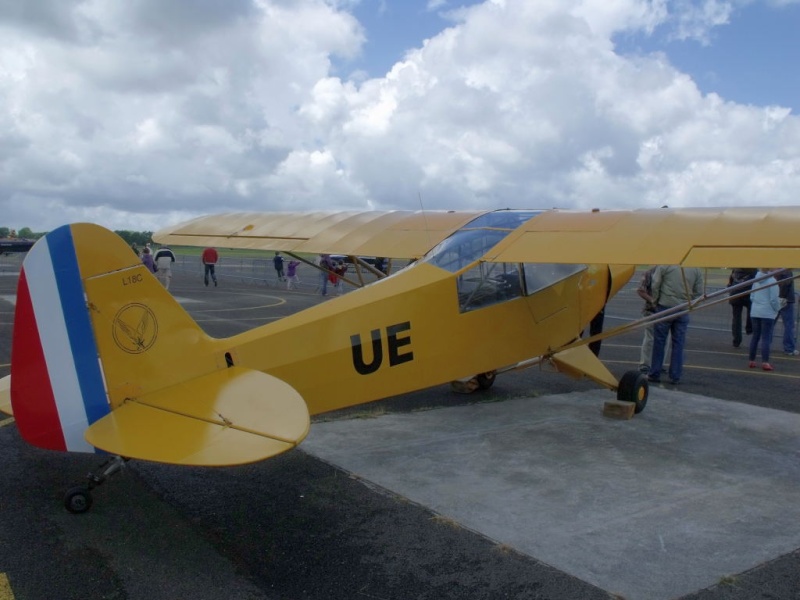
[(25, 233), (140, 238)]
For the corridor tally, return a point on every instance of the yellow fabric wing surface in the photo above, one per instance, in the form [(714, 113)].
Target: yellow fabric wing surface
[(392, 234), (706, 237), (228, 417), (714, 237)]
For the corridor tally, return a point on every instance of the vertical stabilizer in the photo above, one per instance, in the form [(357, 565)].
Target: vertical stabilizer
[(57, 386), (93, 327)]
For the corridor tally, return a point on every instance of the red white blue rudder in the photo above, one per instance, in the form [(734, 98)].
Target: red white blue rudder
[(57, 387)]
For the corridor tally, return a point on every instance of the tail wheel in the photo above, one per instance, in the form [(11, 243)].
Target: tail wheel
[(78, 500), (633, 387), (486, 380)]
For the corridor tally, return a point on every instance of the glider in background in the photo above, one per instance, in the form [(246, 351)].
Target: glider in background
[(13, 245)]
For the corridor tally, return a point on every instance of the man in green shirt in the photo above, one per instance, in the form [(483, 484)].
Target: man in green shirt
[(672, 286)]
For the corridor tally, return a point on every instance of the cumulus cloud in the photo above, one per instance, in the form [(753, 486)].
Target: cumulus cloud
[(695, 21), (141, 113)]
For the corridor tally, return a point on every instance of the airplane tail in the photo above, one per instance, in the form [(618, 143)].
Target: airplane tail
[(103, 357)]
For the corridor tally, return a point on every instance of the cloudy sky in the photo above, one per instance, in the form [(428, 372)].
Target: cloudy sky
[(141, 113)]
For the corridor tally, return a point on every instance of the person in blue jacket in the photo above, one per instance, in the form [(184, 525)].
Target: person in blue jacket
[(765, 305)]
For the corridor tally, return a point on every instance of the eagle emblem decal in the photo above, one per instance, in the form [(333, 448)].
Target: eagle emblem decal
[(135, 328)]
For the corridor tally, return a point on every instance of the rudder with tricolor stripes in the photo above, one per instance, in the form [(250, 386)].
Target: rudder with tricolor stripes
[(93, 327), (57, 387)]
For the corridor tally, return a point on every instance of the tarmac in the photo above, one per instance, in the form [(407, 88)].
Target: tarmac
[(691, 491), (525, 491)]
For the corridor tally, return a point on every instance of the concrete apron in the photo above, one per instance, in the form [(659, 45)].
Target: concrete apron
[(691, 490)]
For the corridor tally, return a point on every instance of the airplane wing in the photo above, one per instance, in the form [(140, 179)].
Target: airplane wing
[(392, 234), (707, 237), (691, 237)]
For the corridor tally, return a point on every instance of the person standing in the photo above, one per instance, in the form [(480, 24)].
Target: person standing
[(164, 259), (596, 328), (292, 280), (672, 286), (325, 266), (765, 305), (147, 260), (277, 262), (645, 292), (738, 305), (210, 257), (787, 299), (339, 269)]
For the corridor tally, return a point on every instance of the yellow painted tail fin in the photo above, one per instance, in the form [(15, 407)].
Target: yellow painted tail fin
[(97, 339)]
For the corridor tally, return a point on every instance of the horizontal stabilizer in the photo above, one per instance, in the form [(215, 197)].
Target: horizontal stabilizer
[(227, 417), (5, 395)]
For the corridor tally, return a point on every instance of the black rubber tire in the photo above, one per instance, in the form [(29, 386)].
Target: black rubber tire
[(486, 380), (633, 387), (78, 500)]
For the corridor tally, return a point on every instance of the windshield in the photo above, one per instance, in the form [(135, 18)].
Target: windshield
[(483, 284), (476, 238)]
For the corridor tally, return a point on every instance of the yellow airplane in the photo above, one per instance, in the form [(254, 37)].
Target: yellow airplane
[(105, 360)]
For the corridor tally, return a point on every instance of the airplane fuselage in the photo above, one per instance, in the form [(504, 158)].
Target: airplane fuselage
[(411, 331)]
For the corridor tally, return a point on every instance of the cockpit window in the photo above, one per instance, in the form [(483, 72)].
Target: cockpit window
[(463, 248), (476, 238), (541, 275), (486, 284), (502, 219), (482, 284)]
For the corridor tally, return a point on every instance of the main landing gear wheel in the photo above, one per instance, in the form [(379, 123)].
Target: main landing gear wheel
[(633, 387), (486, 380), (78, 500), (482, 381)]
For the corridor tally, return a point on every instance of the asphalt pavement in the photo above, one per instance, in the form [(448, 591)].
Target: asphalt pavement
[(310, 524)]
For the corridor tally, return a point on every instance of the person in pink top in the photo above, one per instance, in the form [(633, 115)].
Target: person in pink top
[(147, 260), (292, 280)]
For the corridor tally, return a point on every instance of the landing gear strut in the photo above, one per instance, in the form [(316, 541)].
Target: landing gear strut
[(78, 499)]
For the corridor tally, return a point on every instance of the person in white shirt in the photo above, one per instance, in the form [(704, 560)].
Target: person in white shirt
[(164, 259)]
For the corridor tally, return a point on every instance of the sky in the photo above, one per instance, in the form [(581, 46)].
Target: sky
[(144, 113)]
